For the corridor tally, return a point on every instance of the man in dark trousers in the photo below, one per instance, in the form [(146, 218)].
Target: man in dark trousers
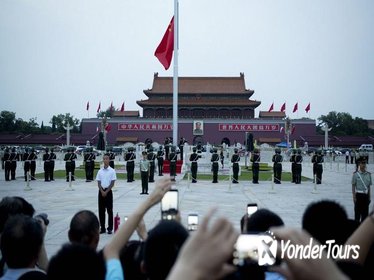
[(173, 163), (69, 159), (151, 158), (293, 166), (167, 144), (47, 165), (26, 162), (112, 157), (298, 167), (277, 166), (13, 163), (194, 157), (255, 159), (235, 166), (319, 166), (222, 157), (314, 162), (130, 164), (214, 160), (33, 157), (89, 162), (7, 164), (160, 161), (181, 146), (144, 172), (361, 190), (53, 159), (106, 177)]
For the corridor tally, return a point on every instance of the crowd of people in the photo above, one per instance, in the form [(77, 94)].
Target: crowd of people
[(171, 251)]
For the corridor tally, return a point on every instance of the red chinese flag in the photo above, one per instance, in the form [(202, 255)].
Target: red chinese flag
[(295, 108), (164, 51), (271, 107), (307, 108), (88, 106), (283, 108), (123, 107), (99, 107), (293, 129), (108, 127)]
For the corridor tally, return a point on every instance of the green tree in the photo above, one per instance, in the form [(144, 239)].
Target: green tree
[(344, 124), (60, 121), (7, 121)]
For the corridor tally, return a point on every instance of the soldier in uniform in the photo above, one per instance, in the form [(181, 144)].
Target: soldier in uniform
[(151, 158), (235, 166), (144, 172), (13, 163), (69, 159), (112, 157), (33, 158), (89, 162), (317, 166), (314, 162), (181, 146), (277, 166), (255, 159), (221, 157), (194, 157), (160, 161), (7, 164), (2, 157), (52, 164), (293, 166), (47, 165), (167, 147), (173, 163), (361, 190), (298, 167), (130, 164), (26, 162), (214, 160)]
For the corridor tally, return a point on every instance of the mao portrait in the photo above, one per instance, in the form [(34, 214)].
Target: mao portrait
[(198, 128)]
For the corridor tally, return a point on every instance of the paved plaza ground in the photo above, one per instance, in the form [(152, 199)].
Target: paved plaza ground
[(288, 200)]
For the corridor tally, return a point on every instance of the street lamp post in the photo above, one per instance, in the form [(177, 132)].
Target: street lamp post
[(68, 128), (326, 129)]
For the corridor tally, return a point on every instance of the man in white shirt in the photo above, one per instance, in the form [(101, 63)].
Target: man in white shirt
[(105, 181)]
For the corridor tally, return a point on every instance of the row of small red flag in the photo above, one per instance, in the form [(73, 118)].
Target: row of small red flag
[(111, 107), (164, 53), (295, 107)]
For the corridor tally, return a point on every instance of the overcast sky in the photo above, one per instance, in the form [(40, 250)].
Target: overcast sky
[(55, 56)]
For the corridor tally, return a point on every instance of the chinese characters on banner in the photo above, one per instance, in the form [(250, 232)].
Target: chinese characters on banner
[(145, 126), (221, 127), (248, 127)]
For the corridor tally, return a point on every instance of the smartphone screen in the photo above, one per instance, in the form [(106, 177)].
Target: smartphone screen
[(193, 222), (251, 208), (193, 219), (170, 201)]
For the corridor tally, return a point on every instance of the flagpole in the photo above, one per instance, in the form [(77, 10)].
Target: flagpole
[(175, 76)]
